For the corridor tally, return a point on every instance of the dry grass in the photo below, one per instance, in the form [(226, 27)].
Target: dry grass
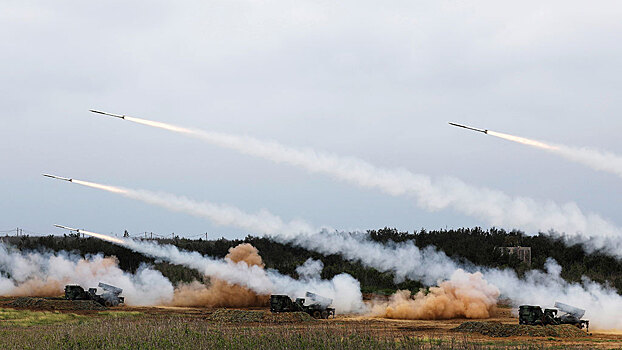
[(26, 318), (135, 330), (254, 316), (204, 328), (498, 329)]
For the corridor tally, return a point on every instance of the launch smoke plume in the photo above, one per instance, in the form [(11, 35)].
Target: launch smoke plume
[(595, 159), (267, 223), (220, 292), (427, 265), (492, 206), (46, 274), (343, 289), (523, 140), (465, 295), (405, 260)]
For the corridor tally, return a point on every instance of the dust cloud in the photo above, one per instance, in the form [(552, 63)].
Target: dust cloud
[(219, 293), (45, 274), (465, 295)]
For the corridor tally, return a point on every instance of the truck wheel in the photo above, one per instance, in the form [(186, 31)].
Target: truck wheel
[(324, 314), (317, 314), (107, 303)]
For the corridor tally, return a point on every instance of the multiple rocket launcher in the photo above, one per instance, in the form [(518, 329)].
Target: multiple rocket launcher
[(575, 312)]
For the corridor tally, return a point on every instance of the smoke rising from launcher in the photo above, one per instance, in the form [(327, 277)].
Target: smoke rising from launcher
[(404, 259), (220, 292), (491, 205), (343, 295), (44, 274), (466, 295), (343, 288)]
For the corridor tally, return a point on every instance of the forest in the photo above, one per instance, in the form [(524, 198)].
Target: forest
[(468, 245)]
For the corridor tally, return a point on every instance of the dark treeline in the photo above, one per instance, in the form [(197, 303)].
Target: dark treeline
[(470, 245)]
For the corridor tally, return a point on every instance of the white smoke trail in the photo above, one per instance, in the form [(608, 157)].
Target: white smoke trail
[(343, 289), (493, 207), (405, 259), (266, 223), (593, 158), (45, 274), (427, 265), (524, 141)]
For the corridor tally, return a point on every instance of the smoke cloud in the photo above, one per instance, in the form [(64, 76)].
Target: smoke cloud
[(310, 269), (343, 288), (465, 295), (46, 274), (405, 260), (220, 292), (492, 206), (602, 303)]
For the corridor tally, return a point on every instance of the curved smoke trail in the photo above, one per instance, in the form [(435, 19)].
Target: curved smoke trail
[(406, 260), (492, 206)]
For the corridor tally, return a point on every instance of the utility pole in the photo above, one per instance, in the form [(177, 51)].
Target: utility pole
[(151, 235), (206, 236)]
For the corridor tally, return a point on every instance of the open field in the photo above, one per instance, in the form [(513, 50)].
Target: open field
[(190, 328)]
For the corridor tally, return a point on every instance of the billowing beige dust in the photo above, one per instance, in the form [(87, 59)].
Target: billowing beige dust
[(53, 284), (220, 293), (465, 295), (39, 288)]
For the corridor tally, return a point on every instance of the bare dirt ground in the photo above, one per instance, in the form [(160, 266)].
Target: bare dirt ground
[(437, 329)]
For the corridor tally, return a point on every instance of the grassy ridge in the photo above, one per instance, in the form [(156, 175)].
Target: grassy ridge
[(25, 318)]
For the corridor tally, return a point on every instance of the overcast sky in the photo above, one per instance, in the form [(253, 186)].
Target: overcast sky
[(375, 80)]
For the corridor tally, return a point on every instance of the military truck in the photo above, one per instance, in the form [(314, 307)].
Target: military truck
[(533, 315), (319, 307), (110, 296)]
